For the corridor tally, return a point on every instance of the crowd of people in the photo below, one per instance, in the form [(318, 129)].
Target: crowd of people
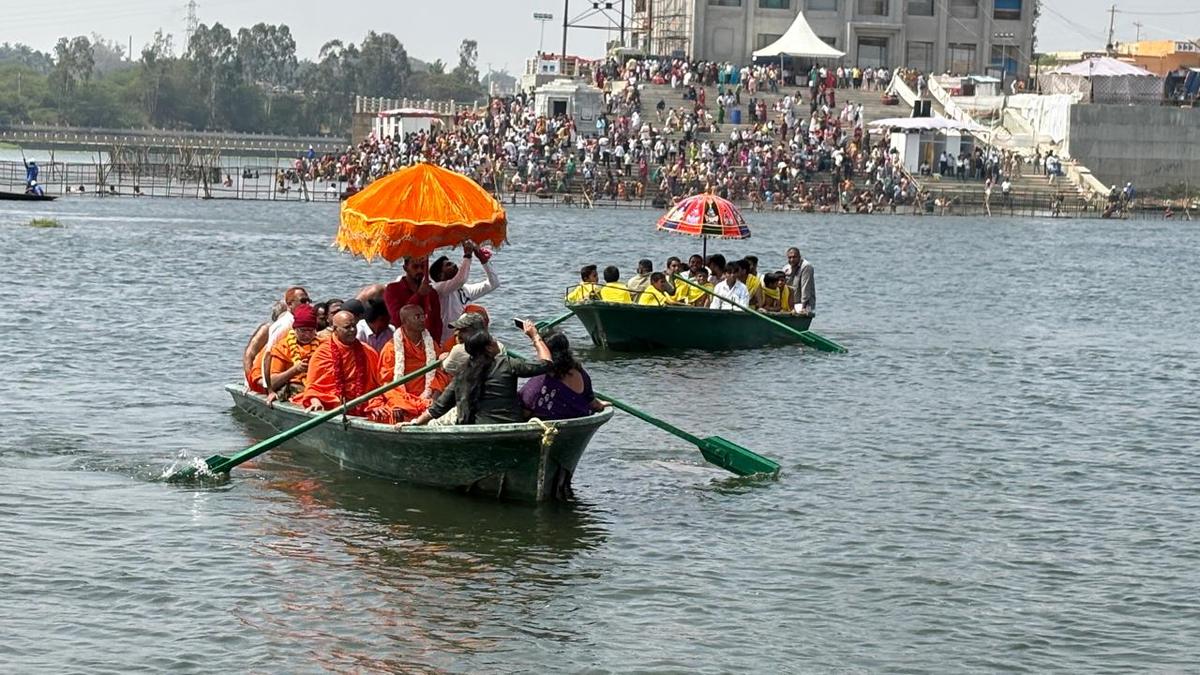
[(715, 283), (799, 149), (423, 327)]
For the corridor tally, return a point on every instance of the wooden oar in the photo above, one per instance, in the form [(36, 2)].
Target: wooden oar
[(716, 450), (218, 464), (808, 337)]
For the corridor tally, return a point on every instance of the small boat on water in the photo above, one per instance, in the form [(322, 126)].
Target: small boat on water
[(524, 462), (25, 197), (634, 328)]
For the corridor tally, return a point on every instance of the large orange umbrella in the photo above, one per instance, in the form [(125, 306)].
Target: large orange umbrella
[(416, 210)]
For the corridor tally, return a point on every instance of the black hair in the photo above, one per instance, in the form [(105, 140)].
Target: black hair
[(752, 259), (657, 277), (611, 274), (562, 361), (375, 310), (770, 278), (586, 271), (644, 265), (475, 372), (673, 259), (741, 266), (717, 261), (435, 268)]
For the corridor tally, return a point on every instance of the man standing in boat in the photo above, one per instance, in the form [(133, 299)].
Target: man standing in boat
[(415, 287), (799, 275), (31, 176)]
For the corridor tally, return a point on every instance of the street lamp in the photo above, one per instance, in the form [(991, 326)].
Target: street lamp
[(1004, 54), (542, 17)]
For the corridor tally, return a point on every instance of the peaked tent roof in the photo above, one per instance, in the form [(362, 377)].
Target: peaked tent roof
[(799, 40), (1101, 67)]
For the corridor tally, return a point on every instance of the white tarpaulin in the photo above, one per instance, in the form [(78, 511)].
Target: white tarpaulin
[(1104, 80), (799, 40), (926, 124)]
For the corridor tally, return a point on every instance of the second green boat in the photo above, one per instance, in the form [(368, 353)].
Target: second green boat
[(634, 328)]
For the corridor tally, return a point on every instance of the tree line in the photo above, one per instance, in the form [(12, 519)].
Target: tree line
[(248, 81)]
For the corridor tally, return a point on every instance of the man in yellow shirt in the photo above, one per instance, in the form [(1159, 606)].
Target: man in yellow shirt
[(587, 288), (656, 293), (753, 283), (690, 295), (613, 290)]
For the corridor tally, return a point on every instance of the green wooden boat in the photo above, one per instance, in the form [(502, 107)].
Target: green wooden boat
[(507, 461), (634, 328)]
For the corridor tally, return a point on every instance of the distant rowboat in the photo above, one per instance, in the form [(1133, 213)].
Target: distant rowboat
[(633, 328), (25, 197)]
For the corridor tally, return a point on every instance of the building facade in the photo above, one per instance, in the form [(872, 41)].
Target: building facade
[(958, 36), (1162, 57)]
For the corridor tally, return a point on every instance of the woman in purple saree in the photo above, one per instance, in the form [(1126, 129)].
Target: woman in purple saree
[(565, 390)]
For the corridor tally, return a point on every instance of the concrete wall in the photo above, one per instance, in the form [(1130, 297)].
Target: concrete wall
[(1149, 145)]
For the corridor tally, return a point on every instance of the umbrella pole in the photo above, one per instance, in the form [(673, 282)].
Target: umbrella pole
[(704, 249)]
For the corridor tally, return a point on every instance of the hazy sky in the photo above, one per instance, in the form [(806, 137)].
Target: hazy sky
[(505, 29)]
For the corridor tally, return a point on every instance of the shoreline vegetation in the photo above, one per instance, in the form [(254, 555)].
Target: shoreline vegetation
[(247, 80)]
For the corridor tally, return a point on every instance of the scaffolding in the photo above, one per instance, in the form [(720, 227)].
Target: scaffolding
[(664, 27)]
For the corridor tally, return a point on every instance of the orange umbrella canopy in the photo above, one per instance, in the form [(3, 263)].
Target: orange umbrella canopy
[(416, 210)]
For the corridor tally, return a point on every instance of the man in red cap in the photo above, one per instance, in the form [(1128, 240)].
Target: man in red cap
[(289, 357)]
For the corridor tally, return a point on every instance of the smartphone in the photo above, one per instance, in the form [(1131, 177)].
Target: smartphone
[(519, 324)]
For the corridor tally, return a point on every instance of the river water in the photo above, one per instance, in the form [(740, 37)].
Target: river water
[(1001, 474)]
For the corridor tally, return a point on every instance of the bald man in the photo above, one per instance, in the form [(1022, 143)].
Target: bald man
[(411, 348), (296, 295), (342, 369)]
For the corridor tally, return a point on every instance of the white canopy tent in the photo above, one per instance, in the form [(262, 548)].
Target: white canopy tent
[(1104, 80), (799, 40)]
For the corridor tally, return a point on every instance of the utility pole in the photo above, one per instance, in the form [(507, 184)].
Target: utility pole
[(1139, 30), (562, 58), (192, 22), (1112, 24)]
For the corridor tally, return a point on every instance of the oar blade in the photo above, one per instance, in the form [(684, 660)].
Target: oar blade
[(189, 472), (822, 343), (735, 458)]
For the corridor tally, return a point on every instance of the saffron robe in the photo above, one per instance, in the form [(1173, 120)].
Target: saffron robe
[(338, 373), (254, 375), (282, 357), (410, 399)]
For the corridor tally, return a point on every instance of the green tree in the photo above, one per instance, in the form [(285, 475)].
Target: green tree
[(467, 71), (214, 53), (72, 64), (384, 68)]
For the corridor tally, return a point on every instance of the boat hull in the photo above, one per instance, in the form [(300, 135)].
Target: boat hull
[(507, 461), (25, 197), (636, 328)]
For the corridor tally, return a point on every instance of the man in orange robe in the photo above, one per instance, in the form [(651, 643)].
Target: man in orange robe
[(417, 349), (290, 356), (342, 369)]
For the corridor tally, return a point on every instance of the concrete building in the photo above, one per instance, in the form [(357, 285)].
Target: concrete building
[(1162, 57), (960, 36)]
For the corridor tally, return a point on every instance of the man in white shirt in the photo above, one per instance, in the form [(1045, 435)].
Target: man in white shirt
[(730, 289), (374, 329), (450, 282), (296, 295)]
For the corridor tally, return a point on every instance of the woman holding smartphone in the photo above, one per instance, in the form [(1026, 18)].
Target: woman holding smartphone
[(485, 390)]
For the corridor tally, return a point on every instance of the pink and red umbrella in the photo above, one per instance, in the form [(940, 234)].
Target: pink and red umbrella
[(705, 215)]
